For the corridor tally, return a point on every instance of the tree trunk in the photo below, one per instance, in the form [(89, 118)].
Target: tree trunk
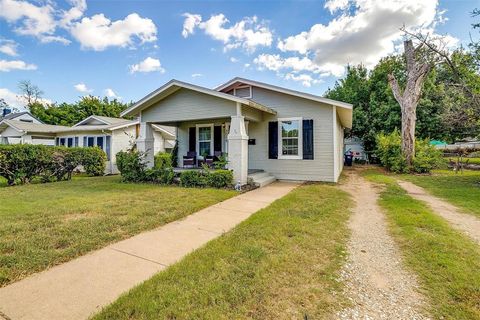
[(408, 99)]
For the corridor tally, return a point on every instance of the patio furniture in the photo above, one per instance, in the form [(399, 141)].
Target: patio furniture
[(209, 160), (217, 155), (190, 159)]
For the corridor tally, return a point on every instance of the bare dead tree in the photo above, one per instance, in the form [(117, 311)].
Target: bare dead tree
[(417, 70), (29, 92)]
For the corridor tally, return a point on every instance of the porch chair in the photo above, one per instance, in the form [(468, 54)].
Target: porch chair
[(209, 160), (190, 159)]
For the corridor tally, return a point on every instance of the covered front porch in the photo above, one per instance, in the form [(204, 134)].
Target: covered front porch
[(206, 141)]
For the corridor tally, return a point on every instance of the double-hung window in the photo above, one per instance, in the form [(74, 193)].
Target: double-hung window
[(205, 139), (290, 138)]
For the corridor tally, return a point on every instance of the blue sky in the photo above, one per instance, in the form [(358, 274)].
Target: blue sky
[(129, 48)]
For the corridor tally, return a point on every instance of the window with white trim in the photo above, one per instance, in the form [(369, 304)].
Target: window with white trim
[(290, 138), (205, 139)]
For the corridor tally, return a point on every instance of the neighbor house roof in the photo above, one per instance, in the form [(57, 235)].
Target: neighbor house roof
[(105, 120), (169, 132), (12, 116), (174, 85), (48, 128), (32, 127)]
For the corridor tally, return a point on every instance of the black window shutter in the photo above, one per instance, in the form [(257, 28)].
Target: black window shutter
[(192, 139), (307, 139), (217, 138), (273, 140)]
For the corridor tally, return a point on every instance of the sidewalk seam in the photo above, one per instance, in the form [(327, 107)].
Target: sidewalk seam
[(136, 256)]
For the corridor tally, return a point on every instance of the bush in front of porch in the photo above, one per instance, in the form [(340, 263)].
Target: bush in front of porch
[(133, 168)]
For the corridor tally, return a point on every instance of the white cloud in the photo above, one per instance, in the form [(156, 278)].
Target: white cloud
[(363, 36), (233, 59), (306, 79), (248, 33), (8, 47), (246, 65), (15, 100), (110, 93), (82, 87), (334, 5), (274, 62), (191, 20), (99, 32), (197, 75), (74, 13), (147, 65), (32, 20), (8, 65)]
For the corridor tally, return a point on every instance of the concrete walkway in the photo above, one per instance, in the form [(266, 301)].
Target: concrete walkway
[(81, 287)]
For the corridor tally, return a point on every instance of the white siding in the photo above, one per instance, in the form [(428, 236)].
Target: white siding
[(319, 169), (185, 105), (121, 140), (339, 132), (27, 118)]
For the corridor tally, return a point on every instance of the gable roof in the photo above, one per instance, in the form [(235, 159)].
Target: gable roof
[(14, 115), (105, 120), (300, 94), (32, 127), (345, 111), (49, 128), (174, 85)]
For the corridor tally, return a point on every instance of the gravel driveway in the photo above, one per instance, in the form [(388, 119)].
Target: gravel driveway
[(376, 282), (463, 222)]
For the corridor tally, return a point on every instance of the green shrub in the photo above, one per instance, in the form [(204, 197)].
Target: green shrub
[(193, 178), (93, 160), (21, 163), (389, 150), (427, 157), (206, 178), (131, 165), (219, 178), (163, 160)]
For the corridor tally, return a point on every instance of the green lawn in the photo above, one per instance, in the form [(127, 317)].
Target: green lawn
[(470, 160), (460, 189), (281, 263), (446, 261), (42, 225)]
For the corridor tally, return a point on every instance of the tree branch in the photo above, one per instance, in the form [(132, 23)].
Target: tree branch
[(395, 88)]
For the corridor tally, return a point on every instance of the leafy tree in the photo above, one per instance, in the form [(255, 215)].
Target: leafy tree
[(68, 114)]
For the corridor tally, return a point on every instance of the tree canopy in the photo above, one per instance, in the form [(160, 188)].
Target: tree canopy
[(68, 114)]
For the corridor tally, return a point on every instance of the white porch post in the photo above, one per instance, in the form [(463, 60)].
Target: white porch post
[(145, 143), (238, 147)]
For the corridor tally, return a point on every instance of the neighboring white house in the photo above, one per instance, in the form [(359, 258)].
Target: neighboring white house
[(24, 116), (286, 134), (110, 134)]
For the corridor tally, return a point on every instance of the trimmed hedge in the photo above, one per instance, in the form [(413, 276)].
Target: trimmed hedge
[(21, 163), (206, 178)]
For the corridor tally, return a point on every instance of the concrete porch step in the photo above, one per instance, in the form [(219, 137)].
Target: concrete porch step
[(262, 178)]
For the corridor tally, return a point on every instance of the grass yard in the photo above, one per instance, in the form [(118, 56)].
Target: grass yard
[(461, 189), (470, 160), (447, 262), (281, 263), (42, 225)]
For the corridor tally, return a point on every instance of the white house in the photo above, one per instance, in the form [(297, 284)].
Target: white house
[(275, 132), (110, 134)]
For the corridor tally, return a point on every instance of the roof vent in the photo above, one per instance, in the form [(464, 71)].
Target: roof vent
[(243, 92)]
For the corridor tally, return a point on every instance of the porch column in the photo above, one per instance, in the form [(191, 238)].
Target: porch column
[(238, 148), (145, 143)]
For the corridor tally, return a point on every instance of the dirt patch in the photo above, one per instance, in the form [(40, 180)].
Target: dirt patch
[(376, 282), (465, 223)]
